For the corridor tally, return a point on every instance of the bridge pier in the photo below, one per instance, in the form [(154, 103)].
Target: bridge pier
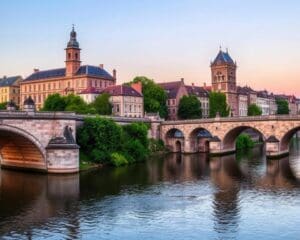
[(273, 148)]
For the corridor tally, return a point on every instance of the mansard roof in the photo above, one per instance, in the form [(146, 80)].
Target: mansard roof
[(121, 90), (9, 81), (92, 71), (223, 58)]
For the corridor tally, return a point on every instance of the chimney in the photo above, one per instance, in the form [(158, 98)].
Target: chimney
[(193, 84), (137, 87), (36, 70), (115, 74), (4, 77), (204, 84), (101, 65), (182, 80)]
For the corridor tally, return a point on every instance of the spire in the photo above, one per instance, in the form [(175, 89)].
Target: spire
[(73, 41)]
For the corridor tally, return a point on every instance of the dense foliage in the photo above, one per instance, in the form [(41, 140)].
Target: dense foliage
[(282, 106), (254, 110), (3, 106), (74, 103), (154, 96), (102, 105), (244, 141), (218, 104), (189, 108), (104, 141)]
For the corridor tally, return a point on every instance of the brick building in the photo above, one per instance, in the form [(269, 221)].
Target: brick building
[(73, 78)]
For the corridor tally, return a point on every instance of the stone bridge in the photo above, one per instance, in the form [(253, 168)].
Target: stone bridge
[(44, 141), (218, 135)]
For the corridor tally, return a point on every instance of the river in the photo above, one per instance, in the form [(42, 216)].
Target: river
[(239, 196)]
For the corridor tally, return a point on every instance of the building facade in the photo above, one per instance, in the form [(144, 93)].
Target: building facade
[(176, 90), (73, 78), (10, 89)]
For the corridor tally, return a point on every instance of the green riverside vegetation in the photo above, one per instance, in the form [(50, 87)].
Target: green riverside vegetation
[(244, 142), (103, 141)]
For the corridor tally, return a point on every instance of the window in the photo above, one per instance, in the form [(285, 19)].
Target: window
[(44, 87), (76, 56), (69, 56), (49, 86)]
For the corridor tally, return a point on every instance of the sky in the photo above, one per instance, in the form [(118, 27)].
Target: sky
[(165, 40)]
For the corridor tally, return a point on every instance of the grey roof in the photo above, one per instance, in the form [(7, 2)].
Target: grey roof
[(29, 101), (223, 58), (73, 41), (272, 139), (8, 81), (197, 91), (171, 88), (92, 71), (121, 90)]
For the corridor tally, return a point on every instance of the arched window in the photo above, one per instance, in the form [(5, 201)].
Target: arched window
[(69, 56)]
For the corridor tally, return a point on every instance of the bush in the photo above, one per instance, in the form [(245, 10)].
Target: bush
[(137, 131), (244, 141), (156, 145), (99, 137), (118, 159), (135, 151)]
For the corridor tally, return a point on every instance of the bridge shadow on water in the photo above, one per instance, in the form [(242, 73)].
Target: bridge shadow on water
[(35, 205)]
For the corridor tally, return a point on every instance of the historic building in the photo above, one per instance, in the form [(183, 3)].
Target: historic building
[(176, 90), (73, 78), (223, 75), (127, 101), (10, 89)]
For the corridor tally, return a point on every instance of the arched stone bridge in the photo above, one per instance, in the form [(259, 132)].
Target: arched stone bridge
[(218, 135), (44, 141)]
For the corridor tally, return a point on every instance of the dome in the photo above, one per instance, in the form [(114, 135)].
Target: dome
[(29, 101), (73, 41)]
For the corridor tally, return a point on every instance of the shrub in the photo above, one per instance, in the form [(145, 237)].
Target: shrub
[(135, 151), (117, 159), (244, 141), (156, 145), (138, 131)]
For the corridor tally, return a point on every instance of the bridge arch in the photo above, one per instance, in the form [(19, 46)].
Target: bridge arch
[(199, 139), (174, 139), (285, 140), (230, 136), (19, 148)]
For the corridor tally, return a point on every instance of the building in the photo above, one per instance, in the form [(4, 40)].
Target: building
[(127, 101), (10, 89), (223, 75), (176, 90), (89, 95), (73, 78)]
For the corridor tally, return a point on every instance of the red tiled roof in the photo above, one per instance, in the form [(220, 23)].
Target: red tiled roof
[(90, 90)]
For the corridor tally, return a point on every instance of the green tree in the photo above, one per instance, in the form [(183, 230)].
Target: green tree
[(99, 138), (137, 131), (189, 108), (254, 110), (154, 96), (3, 106), (244, 141), (282, 106), (102, 104), (54, 102), (217, 103)]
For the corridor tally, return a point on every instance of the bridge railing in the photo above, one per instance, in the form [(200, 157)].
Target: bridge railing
[(236, 119)]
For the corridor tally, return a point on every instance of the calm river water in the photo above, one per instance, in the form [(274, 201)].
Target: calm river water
[(240, 196)]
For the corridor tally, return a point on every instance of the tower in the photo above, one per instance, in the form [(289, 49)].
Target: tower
[(223, 79), (72, 55)]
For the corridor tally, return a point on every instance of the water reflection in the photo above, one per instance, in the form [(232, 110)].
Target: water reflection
[(154, 196)]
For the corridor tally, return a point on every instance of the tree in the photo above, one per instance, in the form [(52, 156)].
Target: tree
[(154, 96), (3, 106), (54, 102), (254, 110), (102, 104), (282, 106), (217, 103), (189, 108)]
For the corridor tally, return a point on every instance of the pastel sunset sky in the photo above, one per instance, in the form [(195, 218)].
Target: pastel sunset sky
[(162, 39)]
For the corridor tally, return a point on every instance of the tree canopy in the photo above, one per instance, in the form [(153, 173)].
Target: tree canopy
[(254, 110), (74, 103), (282, 106), (218, 104), (189, 108), (154, 96), (102, 104)]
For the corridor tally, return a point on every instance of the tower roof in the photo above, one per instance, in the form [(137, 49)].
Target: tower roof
[(73, 41), (223, 58)]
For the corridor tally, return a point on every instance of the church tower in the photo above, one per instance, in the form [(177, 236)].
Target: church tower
[(223, 79), (72, 55)]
